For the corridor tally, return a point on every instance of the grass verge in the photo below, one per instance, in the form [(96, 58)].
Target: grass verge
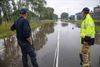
[(78, 23), (6, 32)]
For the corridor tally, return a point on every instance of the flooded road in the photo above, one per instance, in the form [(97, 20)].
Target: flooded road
[(57, 45)]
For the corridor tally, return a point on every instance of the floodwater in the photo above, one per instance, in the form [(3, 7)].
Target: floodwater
[(57, 45)]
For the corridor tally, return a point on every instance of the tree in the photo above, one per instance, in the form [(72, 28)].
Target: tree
[(47, 13), (64, 16), (5, 8), (9, 9), (55, 17), (50, 13)]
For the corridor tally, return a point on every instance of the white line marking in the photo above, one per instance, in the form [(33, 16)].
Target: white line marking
[(56, 57), (57, 60)]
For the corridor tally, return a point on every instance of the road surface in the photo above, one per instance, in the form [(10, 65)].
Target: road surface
[(57, 45)]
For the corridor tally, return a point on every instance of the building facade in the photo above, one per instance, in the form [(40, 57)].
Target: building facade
[(96, 13)]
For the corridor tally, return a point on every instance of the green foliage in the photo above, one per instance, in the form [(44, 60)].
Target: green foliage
[(55, 17), (64, 16), (0, 17), (10, 9), (31, 16), (47, 13), (15, 15)]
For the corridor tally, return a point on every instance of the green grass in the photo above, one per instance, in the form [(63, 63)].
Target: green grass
[(6, 32), (97, 20), (78, 23), (98, 28), (34, 25)]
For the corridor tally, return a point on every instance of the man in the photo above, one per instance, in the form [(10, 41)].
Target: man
[(87, 34), (23, 34)]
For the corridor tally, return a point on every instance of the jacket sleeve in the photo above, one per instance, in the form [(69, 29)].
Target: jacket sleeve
[(26, 29)]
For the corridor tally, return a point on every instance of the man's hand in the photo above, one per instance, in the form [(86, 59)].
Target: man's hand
[(29, 40)]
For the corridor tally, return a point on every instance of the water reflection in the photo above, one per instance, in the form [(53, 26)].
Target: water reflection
[(10, 56), (40, 38), (97, 38), (64, 24)]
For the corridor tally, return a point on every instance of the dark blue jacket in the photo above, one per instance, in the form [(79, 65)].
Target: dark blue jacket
[(23, 30)]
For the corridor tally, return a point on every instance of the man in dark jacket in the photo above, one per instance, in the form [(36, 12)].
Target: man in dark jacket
[(23, 34)]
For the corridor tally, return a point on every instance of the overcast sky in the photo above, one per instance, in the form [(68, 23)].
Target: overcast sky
[(71, 6)]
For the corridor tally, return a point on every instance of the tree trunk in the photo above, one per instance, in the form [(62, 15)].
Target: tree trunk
[(0, 17)]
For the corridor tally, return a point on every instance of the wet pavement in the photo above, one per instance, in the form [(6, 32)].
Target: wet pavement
[(57, 45)]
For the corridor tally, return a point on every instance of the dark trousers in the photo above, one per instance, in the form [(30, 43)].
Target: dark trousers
[(27, 49)]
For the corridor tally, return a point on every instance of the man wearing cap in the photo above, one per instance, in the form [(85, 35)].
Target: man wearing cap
[(87, 35), (23, 34)]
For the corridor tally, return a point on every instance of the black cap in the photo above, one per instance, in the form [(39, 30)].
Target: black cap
[(85, 9), (23, 11)]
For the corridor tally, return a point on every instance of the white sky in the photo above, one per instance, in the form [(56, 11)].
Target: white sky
[(71, 6)]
